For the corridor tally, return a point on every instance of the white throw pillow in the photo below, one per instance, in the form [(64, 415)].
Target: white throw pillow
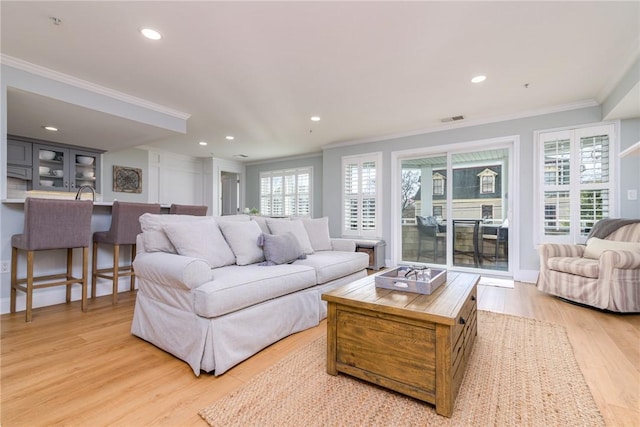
[(280, 226), (153, 235), (318, 232), (200, 239), (596, 246), (262, 222), (243, 238)]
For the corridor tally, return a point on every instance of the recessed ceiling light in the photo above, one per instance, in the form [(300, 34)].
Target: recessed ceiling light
[(230, 137), (202, 143), (50, 128), (315, 118), (151, 34), (478, 79)]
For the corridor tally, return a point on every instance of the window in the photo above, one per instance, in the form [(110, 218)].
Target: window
[(487, 211), (286, 192), (487, 181), (438, 184), (575, 172), (361, 195)]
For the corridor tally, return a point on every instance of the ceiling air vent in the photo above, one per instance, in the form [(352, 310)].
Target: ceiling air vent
[(452, 119)]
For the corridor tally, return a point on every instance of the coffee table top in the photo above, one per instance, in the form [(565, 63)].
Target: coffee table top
[(442, 306)]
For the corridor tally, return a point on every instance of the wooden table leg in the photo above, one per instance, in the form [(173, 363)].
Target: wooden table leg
[(332, 348)]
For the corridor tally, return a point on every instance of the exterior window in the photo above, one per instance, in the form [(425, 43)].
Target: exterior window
[(574, 172), (438, 184), (361, 195), (487, 181), (286, 192), (487, 211)]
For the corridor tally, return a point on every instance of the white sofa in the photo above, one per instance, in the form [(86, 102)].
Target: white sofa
[(205, 295)]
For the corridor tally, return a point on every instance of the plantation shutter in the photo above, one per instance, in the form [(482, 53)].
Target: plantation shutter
[(285, 192), (577, 190), (360, 195)]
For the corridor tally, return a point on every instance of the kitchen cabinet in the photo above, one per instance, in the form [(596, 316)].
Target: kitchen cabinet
[(19, 159), (62, 168)]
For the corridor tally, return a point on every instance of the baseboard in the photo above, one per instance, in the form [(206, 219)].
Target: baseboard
[(526, 276)]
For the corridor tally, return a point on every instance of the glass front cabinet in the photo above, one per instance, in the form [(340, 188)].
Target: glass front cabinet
[(57, 168)]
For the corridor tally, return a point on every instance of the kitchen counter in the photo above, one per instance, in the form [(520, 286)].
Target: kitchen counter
[(21, 201)]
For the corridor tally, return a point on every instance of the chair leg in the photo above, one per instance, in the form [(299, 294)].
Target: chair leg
[(14, 278), (69, 272), (133, 276), (94, 268), (85, 279), (29, 286), (116, 260), (419, 249)]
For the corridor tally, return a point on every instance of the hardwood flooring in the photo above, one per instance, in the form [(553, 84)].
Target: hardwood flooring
[(86, 369)]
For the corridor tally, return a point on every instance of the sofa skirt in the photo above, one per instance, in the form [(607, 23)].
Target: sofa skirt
[(217, 344)]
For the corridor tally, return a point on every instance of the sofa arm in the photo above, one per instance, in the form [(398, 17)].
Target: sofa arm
[(344, 245), (552, 250), (623, 259), (172, 270)]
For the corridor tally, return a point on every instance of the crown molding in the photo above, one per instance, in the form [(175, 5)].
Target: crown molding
[(284, 159), (468, 123), (91, 87)]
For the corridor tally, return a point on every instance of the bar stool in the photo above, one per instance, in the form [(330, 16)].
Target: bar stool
[(51, 224), (188, 210), (125, 226)]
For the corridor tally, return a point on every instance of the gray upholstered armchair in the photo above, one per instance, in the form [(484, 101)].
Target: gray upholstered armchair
[(604, 273)]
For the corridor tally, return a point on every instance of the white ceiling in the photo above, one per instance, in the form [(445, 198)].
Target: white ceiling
[(259, 70)]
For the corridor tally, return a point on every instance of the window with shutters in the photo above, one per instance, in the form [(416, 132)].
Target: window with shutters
[(286, 192), (575, 175), (361, 195)]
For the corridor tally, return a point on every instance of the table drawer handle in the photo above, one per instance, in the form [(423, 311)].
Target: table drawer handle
[(462, 321)]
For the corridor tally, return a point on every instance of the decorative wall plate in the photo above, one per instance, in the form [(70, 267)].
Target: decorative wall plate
[(127, 180)]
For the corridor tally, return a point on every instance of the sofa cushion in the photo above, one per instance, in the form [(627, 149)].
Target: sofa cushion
[(596, 246), (234, 287), (280, 249), (330, 265), (318, 232), (573, 265), (200, 239), (280, 226), (262, 222), (153, 234), (243, 237)]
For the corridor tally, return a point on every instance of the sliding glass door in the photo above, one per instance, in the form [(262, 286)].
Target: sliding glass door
[(455, 209)]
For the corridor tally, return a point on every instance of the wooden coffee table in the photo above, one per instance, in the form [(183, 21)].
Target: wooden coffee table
[(415, 344)]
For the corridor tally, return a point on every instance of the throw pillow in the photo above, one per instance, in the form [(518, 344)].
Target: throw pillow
[(596, 246), (200, 239), (280, 249), (318, 232), (262, 222), (153, 235), (242, 237), (279, 226)]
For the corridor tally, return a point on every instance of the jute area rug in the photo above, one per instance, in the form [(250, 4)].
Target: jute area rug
[(521, 372)]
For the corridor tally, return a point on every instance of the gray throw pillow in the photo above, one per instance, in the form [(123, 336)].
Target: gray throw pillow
[(280, 249)]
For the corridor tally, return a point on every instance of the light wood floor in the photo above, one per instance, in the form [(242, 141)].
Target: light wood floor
[(86, 369)]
